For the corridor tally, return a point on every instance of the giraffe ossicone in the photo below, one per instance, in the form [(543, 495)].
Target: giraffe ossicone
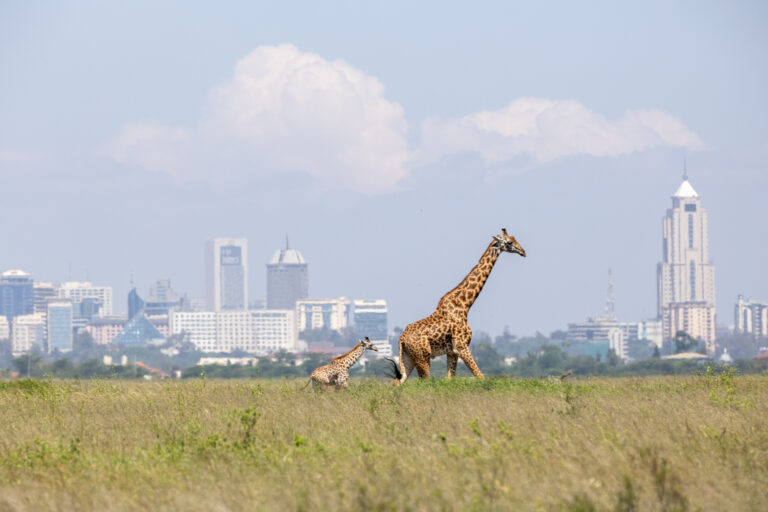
[(446, 331)]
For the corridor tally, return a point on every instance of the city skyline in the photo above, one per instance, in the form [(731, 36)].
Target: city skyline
[(390, 162)]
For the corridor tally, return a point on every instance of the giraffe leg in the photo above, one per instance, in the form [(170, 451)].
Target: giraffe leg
[(452, 360), (423, 369), (466, 356), (341, 381)]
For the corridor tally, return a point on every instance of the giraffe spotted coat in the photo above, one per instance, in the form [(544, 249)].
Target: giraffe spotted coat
[(446, 331), (336, 373)]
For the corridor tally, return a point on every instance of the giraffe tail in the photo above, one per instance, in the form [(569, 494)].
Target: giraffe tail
[(307, 384), (396, 372)]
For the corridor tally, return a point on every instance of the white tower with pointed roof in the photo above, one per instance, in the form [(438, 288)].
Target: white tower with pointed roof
[(685, 276)]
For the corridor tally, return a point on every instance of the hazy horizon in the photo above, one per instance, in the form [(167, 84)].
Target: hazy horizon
[(390, 143)]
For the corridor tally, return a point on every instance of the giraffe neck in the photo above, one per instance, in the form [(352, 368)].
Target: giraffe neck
[(466, 292), (351, 357)]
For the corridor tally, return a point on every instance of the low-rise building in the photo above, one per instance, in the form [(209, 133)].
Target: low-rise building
[(104, 329), (199, 328), (261, 332), (330, 314), (276, 330)]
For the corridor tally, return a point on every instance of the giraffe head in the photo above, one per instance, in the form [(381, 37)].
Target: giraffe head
[(507, 243), (368, 344)]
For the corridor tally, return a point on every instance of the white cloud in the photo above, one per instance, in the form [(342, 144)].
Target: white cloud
[(283, 110), (546, 130)]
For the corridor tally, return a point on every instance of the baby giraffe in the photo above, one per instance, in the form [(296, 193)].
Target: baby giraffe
[(336, 372)]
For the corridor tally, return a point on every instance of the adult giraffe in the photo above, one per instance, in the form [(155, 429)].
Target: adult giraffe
[(446, 331)]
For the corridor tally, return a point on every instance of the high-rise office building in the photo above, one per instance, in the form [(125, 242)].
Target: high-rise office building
[(685, 276), (287, 279), (41, 293), (59, 323), (5, 328), (371, 321), (27, 333), (16, 294), (226, 266), (750, 317), (77, 291)]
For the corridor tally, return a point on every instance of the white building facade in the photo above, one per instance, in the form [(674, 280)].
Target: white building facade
[(199, 326), (5, 328), (226, 267), (77, 291), (260, 332), (330, 314), (27, 333), (276, 330), (685, 276), (750, 317), (235, 331)]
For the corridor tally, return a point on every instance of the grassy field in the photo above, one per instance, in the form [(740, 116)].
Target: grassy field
[(666, 443)]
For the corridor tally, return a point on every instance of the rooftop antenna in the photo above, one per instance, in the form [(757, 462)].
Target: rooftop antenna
[(286, 242), (610, 310), (685, 170), (131, 281)]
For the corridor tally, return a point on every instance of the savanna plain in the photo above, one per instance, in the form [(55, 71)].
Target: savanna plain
[(654, 443)]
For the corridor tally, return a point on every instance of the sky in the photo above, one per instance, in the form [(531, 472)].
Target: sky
[(389, 141)]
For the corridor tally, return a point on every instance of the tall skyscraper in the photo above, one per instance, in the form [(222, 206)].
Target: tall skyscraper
[(16, 294), (59, 322), (287, 279), (685, 276), (41, 293), (226, 263)]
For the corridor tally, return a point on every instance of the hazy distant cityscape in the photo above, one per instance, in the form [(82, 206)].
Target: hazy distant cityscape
[(37, 316)]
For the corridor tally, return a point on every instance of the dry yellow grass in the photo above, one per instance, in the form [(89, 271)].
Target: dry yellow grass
[(667, 443)]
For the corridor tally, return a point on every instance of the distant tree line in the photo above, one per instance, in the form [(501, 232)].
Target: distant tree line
[(506, 354)]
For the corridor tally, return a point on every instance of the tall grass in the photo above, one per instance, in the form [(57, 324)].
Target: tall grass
[(664, 443)]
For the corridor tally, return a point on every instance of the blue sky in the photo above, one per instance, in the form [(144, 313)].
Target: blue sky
[(390, 141)]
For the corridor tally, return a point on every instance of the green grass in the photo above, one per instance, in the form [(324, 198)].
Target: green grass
[(657, 443)]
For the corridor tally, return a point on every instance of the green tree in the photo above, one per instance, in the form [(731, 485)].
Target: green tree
[(488, 358), (82, 342), (612, 358), (29, 365), (684, 342)]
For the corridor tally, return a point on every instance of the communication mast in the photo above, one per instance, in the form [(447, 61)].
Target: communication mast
[(610, 310)]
